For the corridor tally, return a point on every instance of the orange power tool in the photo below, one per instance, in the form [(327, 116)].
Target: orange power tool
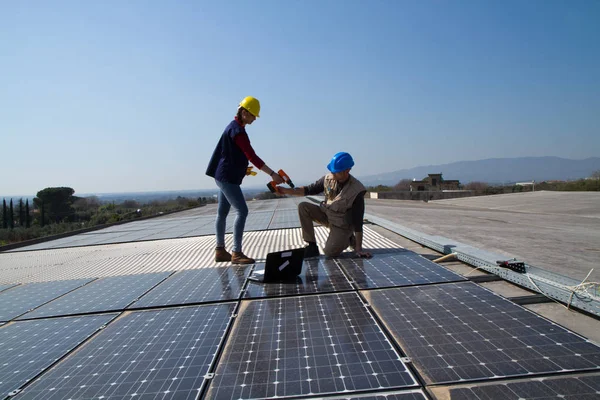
[(271, 185)]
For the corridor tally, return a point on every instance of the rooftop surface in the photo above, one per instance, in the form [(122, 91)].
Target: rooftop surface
[(141, 310)]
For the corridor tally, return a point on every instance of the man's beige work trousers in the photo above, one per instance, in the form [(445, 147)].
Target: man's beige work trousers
[(338, 238)]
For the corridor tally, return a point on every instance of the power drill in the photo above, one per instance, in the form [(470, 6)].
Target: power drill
[(271, 185)]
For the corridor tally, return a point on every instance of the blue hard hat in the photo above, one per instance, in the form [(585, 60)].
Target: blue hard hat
[(340, 162)]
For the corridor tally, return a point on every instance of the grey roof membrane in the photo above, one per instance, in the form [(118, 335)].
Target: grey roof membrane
[(180, 326)]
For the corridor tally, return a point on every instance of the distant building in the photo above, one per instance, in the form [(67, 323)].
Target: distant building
[(434, 182)]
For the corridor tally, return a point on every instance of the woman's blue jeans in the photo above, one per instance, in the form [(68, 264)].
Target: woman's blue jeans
[(231, 195)]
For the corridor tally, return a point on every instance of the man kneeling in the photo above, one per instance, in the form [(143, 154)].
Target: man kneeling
[(342, 211)]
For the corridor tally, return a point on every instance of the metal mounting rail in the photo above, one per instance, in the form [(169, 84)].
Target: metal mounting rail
[(555, 286)]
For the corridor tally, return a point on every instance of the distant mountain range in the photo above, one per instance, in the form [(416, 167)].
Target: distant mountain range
[(495, 170)]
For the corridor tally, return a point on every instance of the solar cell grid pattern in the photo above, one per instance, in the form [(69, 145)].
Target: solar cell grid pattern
[(285, 219), (20, 299), (398, 269), (307, 345), (30, 347), (461, 331), (404, 395), (197, 286), (318, 276), (162, 354), (569, 388), (256, 221), (105, 294)]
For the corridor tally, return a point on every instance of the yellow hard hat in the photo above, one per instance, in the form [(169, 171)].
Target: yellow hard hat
[(252, 105)]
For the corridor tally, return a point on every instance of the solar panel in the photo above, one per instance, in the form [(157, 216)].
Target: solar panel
[(256, 221), (145, 354), (307, 345), (461, 331), (105, 294), (403, 395), (318, 276), (571, 387), (23, 298), (197, 286), (29, 347), (285, 219), (403, 268), (7, 286)]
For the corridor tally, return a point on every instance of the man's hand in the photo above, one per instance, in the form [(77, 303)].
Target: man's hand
[(363, 254), (283, 190)]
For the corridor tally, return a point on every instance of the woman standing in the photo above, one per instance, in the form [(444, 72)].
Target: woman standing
[(229, 165)]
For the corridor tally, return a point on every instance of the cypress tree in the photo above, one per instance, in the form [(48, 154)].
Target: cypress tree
[(21, 213), (43, 215), (11, 216), (4, 215), (27, 216)]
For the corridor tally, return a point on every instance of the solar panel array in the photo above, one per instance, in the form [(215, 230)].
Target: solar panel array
[(20, 299), (280, 213), (396, 326), (147, 354), (461, 331), (307, 345), (29, 347)]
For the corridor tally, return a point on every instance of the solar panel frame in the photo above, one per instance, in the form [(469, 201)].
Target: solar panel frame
[(103, 295), (459, 332), (306, 345), (19, 300), (197, 286), (319, 275), (4, 287), (396, 269), (30, 347), (149, 354), (583, 387), (402, 395)]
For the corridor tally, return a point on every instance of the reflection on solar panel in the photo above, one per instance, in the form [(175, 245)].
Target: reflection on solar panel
[(29, 347), (285, 219), (575, 388), (403, 395), (461, 331), (23, 298), (306, 345), (105, 294), (318, 276), (197, 286), (399, 269), (146, 354), (256, 221), (7, 286)]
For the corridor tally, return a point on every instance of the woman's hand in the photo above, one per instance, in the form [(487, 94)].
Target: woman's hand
[(278, 180)]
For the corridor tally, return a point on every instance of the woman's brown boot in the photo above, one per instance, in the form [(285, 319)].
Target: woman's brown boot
[(221, 255), (237, 257)]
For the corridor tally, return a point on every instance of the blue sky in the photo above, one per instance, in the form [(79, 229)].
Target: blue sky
[(122, 96)]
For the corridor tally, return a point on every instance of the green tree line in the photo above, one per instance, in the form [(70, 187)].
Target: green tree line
[(57, 210)]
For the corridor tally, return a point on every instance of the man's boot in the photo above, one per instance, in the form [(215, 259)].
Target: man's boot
[(237, 257), (221, 255), (312, 250)]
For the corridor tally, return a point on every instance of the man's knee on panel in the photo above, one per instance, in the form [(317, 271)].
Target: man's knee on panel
[(331, 251)]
